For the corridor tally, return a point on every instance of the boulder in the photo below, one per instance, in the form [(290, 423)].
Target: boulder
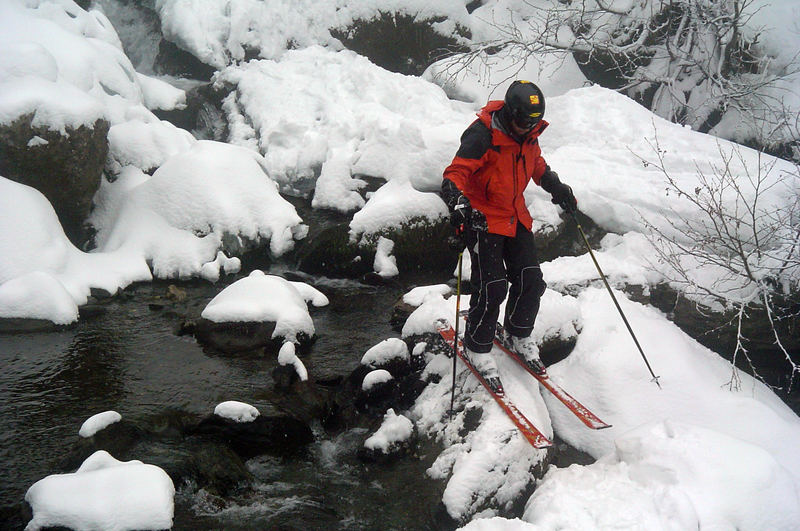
[(165, 441), (66, 168), (398, 42), (229, 337), (419, 246), (264, 435)]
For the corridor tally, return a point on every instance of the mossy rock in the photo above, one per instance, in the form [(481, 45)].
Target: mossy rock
[(399, 42), (419, 246), (66, 168)]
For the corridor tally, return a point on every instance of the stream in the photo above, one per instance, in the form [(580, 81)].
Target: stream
[(124, 354)]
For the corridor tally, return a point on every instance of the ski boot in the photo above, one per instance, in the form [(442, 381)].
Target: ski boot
[(484, 363), (527, 348)]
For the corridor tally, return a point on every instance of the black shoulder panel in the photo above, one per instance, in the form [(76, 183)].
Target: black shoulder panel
[(475, 141)]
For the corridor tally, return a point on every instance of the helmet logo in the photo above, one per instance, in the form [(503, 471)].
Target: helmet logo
[(534, 99)]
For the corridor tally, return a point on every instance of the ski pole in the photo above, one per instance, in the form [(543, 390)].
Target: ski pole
[(619, 309), (455, 340)]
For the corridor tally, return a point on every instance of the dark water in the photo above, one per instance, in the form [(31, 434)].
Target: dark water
[(127, 357)]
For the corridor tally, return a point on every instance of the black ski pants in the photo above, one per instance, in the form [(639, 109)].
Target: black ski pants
[(498, 261)]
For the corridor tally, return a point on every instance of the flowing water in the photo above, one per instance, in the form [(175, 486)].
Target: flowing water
[(126, 356)]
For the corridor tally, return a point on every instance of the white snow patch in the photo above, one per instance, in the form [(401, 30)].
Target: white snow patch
[(385, 351), (376, 377), (98, 422), (394, 430), (236, 411)]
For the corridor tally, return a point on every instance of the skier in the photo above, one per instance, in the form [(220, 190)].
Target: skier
[(483, 188)]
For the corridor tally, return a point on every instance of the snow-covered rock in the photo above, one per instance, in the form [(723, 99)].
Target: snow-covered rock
[(104, 494)]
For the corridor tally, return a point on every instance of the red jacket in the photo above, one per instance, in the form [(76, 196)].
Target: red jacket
[(492, 170)]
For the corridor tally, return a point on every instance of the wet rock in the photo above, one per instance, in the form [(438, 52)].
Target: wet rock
[(331, 253), (174, 293), (274, 435), (219, 469), (232, 337), (397, 42), (117, 439), (473, 412), (165, 441), (11, 325), (66, 169), (566, 240), (400, 313), (202, 114), (100, 294), (378, 397), (174, 61), (285, 377), (419, 245), (397, 393)]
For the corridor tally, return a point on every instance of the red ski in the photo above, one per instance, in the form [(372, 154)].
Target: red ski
[(538, 371), (528, 430)]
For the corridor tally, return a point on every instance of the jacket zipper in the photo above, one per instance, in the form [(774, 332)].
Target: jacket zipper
[(515, 175)]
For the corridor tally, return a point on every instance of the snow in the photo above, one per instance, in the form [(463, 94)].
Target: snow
[(417, 295), (555, 74), (261, 297), (668, 461), (394, 430), (385, 351), (376, 377), (37, 295), (46, 269), (103, 494), (98, 422), (670, 475), (219, 33), (236, 411), (288, 356), (212, 189), (385, 265), (354, 119)]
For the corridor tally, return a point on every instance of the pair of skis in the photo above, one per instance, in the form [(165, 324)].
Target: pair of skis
[(538, 371)]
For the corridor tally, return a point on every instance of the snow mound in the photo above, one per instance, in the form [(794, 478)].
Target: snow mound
[(354, 119), (287, 356), (376, 377), (212, 189), (104, 494), (394, 430), (236, 411), (261, 297), (385, 351)]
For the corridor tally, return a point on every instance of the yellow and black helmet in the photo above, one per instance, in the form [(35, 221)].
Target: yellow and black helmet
[(524, 103)]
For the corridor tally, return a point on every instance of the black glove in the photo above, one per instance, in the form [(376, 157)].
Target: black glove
[(478, 221), (562, 193), (461, 213)]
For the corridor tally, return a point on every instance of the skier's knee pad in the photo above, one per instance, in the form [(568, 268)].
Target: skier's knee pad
[(532, 277), (496, 292)]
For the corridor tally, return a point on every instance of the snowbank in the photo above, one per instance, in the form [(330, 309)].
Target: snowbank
[(177, 218), (670, 475), (104, 494), (354, 119)]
